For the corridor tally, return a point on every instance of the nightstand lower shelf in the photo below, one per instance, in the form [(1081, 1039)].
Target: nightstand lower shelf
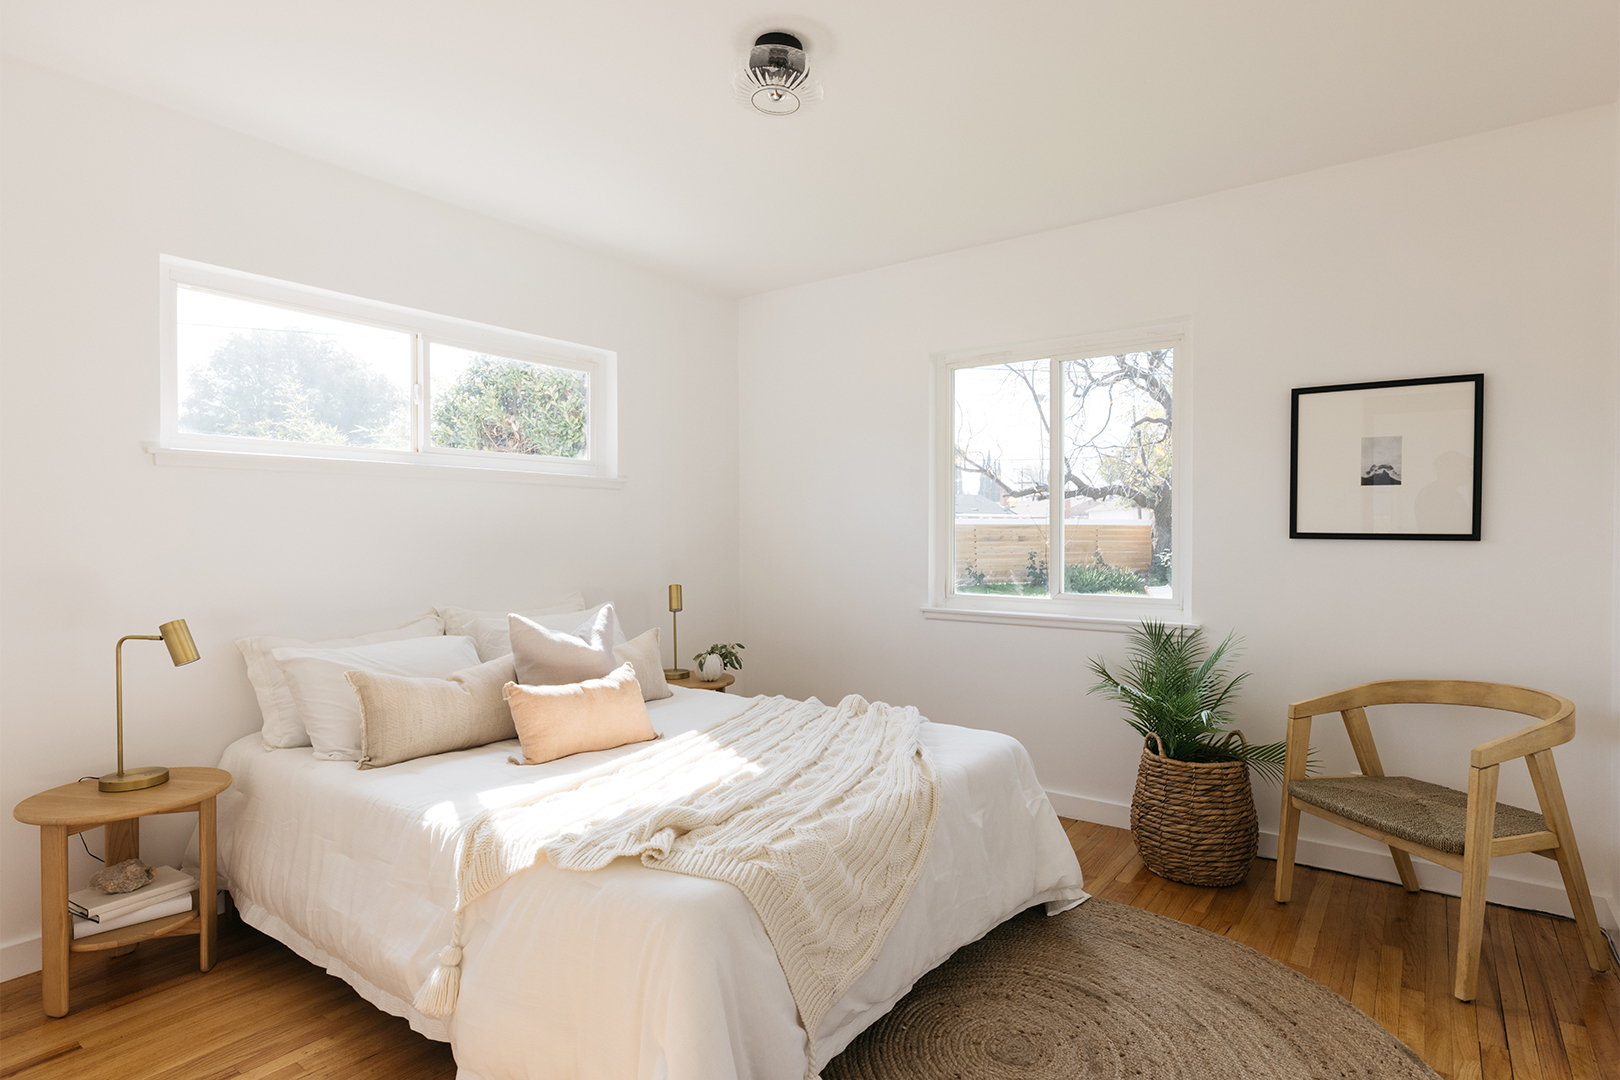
[(187, 922)]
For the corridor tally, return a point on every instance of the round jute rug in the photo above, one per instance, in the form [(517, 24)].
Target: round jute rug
[(1106, 990)]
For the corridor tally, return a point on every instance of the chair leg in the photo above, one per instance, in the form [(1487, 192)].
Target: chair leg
[(1544, 774), (1476, 873), (1296, 756), (1287, 844), (1403, 867)]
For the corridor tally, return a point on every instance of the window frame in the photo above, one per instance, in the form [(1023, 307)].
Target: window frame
[(426, 329), (1072, 610)]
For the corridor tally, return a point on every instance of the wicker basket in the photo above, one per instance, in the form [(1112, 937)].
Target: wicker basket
[(1194, 821)]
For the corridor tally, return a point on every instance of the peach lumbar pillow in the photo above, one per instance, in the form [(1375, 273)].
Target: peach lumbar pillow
[(596, 714)]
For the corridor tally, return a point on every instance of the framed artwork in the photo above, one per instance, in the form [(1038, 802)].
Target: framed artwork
[(1395, 460)]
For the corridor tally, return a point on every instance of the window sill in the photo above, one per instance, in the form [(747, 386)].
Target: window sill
[(1106, 624), (434, 470)]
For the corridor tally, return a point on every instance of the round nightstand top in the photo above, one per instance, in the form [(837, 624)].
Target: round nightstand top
[(692, 682), (84, 804)]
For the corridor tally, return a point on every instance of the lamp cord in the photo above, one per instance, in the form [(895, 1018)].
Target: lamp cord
[(85, 842)]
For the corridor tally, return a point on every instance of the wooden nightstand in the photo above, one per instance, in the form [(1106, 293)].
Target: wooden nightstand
[(75, 808), (692, 682)]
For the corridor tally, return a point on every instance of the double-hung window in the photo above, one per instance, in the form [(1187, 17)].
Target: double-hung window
[(1055, 480), (254, 366)]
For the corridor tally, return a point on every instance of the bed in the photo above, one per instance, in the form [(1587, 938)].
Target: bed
[(625, 972)]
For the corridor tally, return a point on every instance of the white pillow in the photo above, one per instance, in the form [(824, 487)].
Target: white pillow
[(282, 728), (493, 635), (326, 702), (459, 620)]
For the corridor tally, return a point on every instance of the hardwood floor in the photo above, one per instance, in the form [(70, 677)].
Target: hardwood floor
[(265, 1014), (1541, 1013)]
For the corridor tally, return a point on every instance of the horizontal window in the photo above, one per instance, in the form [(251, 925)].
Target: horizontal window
[(1056, 464), (258, 366)]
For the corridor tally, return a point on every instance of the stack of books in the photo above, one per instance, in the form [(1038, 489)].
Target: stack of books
[(168, 893)]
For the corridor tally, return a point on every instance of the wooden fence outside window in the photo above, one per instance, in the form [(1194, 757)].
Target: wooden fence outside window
[(1000, 549)]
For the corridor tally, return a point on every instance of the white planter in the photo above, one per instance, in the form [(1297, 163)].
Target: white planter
[(711, 667)]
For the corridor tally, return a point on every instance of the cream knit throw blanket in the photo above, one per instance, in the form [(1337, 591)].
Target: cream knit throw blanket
[(822, 816)]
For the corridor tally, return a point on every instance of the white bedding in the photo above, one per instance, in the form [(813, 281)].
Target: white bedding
[(624, 972)]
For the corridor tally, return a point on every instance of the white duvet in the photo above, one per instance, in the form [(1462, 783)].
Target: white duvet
[(624, 973)]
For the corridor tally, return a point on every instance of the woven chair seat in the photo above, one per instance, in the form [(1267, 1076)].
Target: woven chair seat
[(1420, 812)]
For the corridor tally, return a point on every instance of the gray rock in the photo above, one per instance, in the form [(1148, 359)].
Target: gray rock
[(127, 876)]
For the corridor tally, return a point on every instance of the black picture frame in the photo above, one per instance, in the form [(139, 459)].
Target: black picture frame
[(1381, 464)]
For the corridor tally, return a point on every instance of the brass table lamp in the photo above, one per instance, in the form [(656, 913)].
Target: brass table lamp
[(676, 672), (182, 650)]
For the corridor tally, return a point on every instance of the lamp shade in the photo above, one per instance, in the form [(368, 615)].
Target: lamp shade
[(675, 598), (177, 636)]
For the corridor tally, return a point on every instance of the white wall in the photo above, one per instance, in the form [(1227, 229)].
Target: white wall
[(98, 542), (1493, 253)]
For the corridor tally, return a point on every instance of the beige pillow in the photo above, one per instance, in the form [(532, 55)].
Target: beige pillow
[(547, 657), (644, 655), (597, 714), (403, 718)]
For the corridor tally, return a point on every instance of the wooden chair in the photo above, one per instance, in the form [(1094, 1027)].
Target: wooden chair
[(1462, 832)]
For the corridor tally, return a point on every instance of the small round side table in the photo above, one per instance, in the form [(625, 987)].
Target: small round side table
[(75, 808), (693, 682)]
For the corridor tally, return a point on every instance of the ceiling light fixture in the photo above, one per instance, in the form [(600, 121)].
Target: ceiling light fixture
[(776, 78)]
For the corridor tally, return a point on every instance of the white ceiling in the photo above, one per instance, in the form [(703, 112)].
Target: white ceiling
[(945, 124)]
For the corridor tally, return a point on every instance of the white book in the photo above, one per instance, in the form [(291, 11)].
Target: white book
[(99, 906), (174, 905)]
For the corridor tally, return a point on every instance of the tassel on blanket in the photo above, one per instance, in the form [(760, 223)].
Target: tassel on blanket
[(437, 997)]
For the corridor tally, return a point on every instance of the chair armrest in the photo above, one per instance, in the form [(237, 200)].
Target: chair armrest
[(1526, 741)]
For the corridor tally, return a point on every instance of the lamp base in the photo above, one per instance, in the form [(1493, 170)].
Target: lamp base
[(676, 673), (134, 779)]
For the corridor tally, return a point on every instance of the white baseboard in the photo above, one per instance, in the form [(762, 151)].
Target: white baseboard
[(20, 957), (1094, 810), (1504, 888)]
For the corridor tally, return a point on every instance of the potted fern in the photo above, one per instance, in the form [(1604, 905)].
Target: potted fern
[(1193, 810)]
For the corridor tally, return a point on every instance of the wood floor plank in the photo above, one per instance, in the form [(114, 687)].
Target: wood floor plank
[(1441, 1018), (1340, 977), (1303, 955), (1538, 995), (1413, 1027), (1582, 1062), (1364, 995), (1521, 1036), (1599, 999), (1465, 1038), (1488, 1001), (265, 1014)]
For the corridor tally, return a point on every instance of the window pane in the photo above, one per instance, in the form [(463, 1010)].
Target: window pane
[(484, 402), (259, 371), (1117, 474), (1001, 467)]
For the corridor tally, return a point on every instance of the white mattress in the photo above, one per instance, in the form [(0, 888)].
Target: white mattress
[(622, 973)]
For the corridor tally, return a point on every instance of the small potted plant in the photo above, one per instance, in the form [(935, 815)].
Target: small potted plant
[(1193, 811), (713, 661)]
